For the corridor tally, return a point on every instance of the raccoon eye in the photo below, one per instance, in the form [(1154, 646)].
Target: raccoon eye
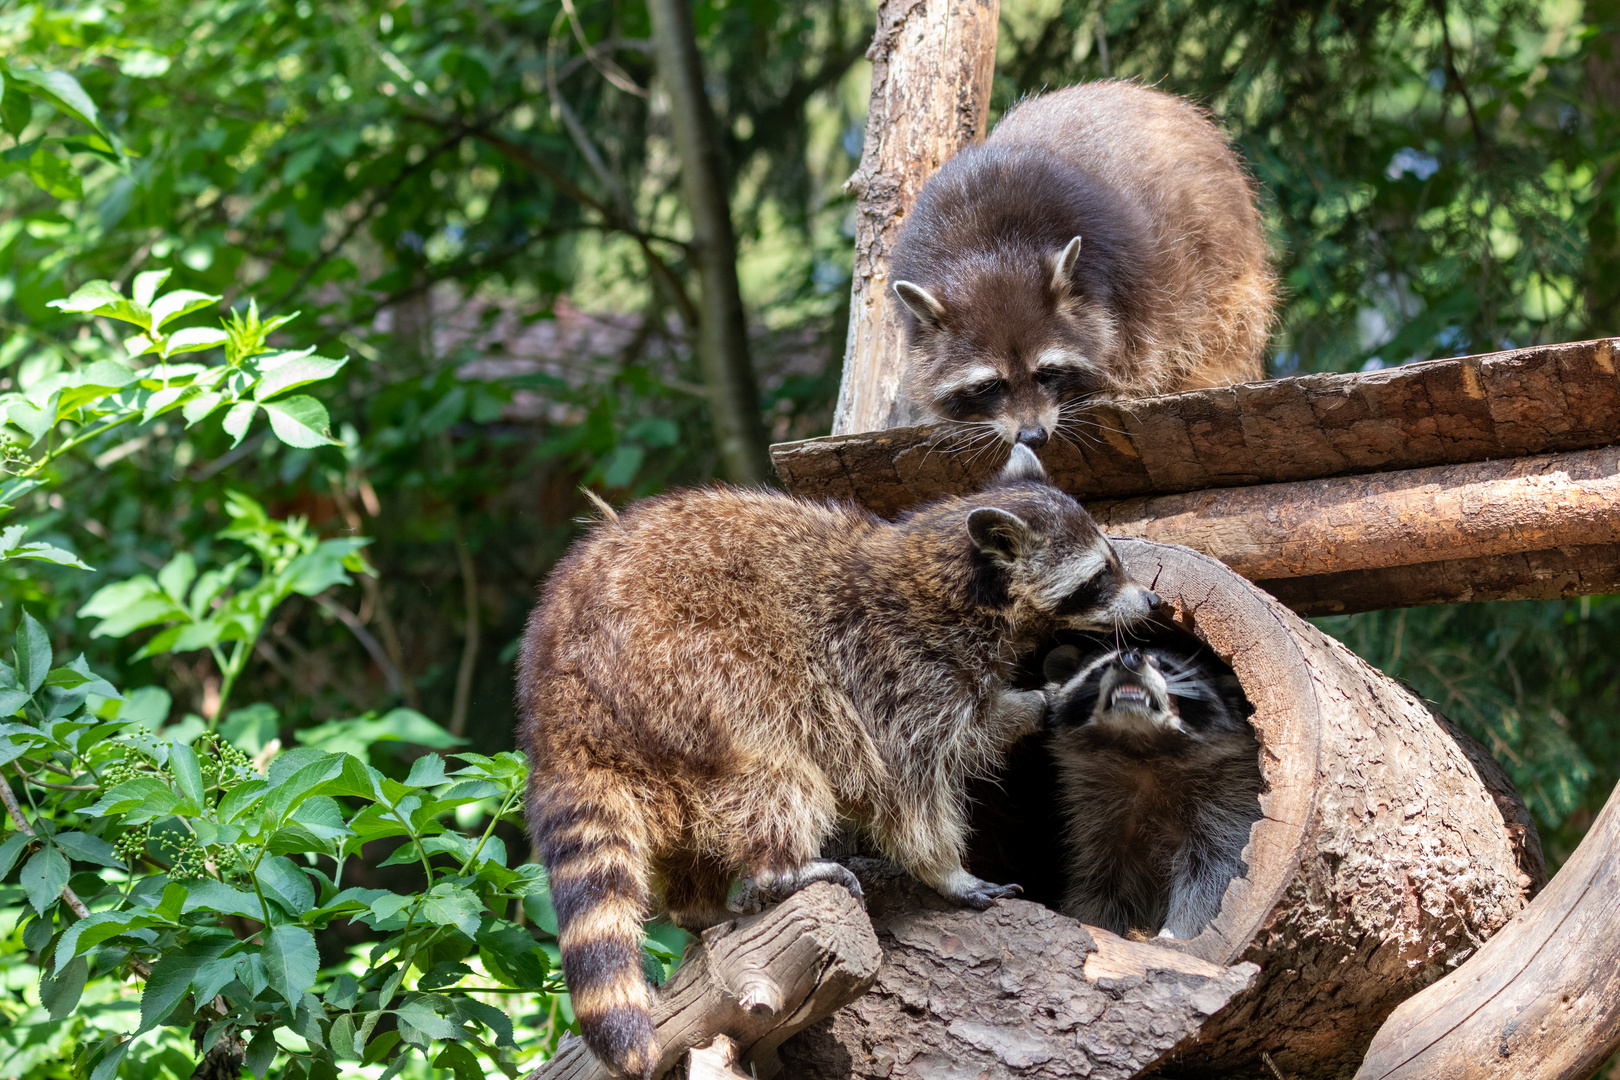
[(1086, 597), (978, 398)]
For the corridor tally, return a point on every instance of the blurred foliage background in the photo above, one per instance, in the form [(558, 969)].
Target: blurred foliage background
[(477, 201)]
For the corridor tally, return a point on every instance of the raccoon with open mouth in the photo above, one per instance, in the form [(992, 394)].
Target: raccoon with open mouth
[(1159, 781), (1102, 242)]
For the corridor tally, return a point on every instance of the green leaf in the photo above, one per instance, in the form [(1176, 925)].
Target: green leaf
[(88, 848), (172, 306), (461, 1061), (100, 298), (11, 849), (33, 654), (426, 771), (44, 552), (418, 1011), (54, 175), (211, 895), (167, 984), (341, 1037), (512, 954), (91, 931), (145, 286), (201, 407), (282, 881), (15, 111), (300, 421), (489, 1016), (108, 1068), (261, 1052), (288, 371), (63, 91), (449, 904), (291, 962), (44, 877), (187, 774), (192, 339), (60, 992), (237, 421)]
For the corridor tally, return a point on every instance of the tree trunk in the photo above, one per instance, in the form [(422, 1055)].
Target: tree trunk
[(932, 65), (1540, 1001), (1390, 847), (722, 325)]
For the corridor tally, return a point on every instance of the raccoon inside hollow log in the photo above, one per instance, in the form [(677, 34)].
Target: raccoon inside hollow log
[(1103, 241), (716, 678)]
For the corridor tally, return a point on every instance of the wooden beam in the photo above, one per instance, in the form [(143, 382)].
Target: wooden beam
[(1444, 412), (1483, 509), (932, 64), (1540, 1000)]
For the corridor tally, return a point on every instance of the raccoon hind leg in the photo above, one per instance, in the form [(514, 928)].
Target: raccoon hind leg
[(774, 886), (695, 888)]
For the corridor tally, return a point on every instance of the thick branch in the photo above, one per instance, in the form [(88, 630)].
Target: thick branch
[(722, 327), (814, 953)]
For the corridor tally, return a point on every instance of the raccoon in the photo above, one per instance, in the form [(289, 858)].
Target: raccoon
[(1102, 242), (1159, 782), (715, 678)]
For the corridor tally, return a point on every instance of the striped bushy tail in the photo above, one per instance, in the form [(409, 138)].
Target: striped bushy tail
[(592, 839)]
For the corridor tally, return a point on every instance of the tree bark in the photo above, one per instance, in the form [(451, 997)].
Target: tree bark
[(1016, 990), (932, 66), (1444, 412), (1540, 1001), (722, 325), (755, 980), (1390, 847), (1388, 519)]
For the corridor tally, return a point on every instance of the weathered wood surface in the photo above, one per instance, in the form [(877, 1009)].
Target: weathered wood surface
[(757, 980), (1388, 519), (1541, 1000), (1016, 990), (1443, 412), (932, 65), (1390, 846), (1551, 574)]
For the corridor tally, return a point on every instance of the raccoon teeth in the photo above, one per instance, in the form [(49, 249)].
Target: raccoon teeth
[(1128, 695)]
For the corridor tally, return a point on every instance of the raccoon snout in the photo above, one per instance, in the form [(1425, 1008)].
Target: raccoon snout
[(1033, 436), (1131, 661), (1154, 600)]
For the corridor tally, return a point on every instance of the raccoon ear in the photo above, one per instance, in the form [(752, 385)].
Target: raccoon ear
[(1061, 664), (1022, 464), (999, 534), (929, 311), (1063, 272)]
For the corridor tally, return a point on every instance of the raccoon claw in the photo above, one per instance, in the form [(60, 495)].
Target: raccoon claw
[(969, 891), (757, 893)]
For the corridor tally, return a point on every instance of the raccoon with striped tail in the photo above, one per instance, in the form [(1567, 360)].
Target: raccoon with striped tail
[(715, 679), (1159, 782)]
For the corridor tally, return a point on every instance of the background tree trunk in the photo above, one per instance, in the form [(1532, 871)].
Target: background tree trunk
[(932, 66), (1391, 846), (722, 325)]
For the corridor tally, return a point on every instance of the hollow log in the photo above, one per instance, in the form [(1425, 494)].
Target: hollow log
[(756, 980), (932, 65), (1390, 846), (1018, 989), (1541, 1000)]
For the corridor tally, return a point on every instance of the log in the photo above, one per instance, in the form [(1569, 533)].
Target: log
[(1402, 518), (1391, 845), (1443, 412), (932, 66), (755, 980), (1018, 987), (1540, 1000)]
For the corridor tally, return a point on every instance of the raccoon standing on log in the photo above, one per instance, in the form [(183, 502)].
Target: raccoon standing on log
[(1159, 781), (1102, 242), (716, 677)]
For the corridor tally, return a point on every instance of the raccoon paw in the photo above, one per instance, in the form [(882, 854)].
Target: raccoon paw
[(759, 892), (964, 889)]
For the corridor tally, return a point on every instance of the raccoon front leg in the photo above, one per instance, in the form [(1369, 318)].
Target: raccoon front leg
[(1016, 713), (927, 838), (1198, 882)]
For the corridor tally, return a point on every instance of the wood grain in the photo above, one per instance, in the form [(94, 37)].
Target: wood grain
[(756, 980), (1541, 1000), (932, 66), (1444, 412)]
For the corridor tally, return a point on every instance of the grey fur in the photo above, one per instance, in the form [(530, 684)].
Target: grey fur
[(1159, 783)]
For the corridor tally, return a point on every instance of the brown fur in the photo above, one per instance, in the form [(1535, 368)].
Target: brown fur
[(1171, 289), (712, 681)]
